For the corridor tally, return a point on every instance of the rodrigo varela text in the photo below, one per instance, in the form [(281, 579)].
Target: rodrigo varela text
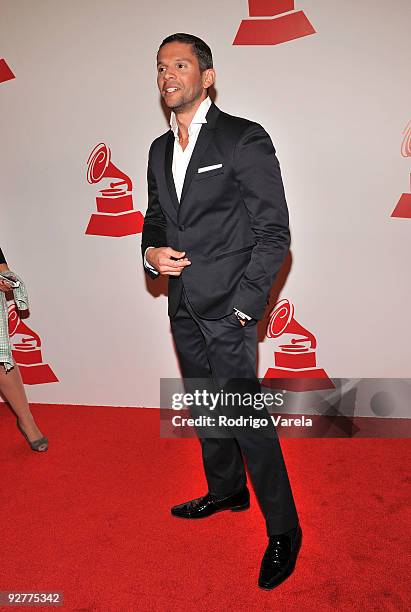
[(240, 421)]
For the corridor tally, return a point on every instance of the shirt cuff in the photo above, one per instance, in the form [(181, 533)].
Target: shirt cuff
[(242, 315), (146, 264)]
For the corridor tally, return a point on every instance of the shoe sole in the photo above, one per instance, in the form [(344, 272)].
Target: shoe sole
[(232, 509), (289, 572), (240, 508)]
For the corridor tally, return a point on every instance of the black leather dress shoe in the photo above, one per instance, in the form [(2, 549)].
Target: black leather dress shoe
[(208, 505), (279, 558)]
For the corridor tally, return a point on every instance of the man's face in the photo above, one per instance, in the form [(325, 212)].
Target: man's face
[(179, 79)]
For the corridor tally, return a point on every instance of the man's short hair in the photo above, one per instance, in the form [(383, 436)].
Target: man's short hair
[(200, 48)]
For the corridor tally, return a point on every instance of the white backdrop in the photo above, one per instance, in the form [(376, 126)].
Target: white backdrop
[(335, 104)]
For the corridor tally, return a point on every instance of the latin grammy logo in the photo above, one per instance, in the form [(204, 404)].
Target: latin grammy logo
[(26, 351), (289, 26), (5, 72), (403, 207), (115, 213), (295, 360)]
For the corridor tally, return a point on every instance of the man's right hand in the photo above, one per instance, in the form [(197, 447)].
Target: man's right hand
[(163, 259)]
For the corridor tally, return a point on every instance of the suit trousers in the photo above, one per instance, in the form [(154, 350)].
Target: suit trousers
[(221, 355)]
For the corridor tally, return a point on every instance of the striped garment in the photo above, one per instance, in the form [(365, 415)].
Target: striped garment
[(22, 302)]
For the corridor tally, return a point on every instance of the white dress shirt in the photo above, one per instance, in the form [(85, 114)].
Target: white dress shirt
[(181, 158)]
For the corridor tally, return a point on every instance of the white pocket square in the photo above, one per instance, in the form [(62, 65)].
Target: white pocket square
[(207, 168)]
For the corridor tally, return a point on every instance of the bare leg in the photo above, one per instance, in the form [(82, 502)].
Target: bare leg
[(11, 385)]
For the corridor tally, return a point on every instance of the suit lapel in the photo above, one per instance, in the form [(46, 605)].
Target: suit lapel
[(203, 140), (202, 143), (169, 169)]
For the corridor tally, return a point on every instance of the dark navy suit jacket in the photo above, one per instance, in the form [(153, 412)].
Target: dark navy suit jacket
[(232, 221)]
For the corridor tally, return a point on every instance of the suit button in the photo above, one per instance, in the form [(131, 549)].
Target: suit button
[(181, 228)]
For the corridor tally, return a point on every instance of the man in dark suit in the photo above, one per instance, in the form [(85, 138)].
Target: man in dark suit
[(217, 226)]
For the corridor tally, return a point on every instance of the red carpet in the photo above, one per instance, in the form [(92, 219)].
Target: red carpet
[(91, 518)]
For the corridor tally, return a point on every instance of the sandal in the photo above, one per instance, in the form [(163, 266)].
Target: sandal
[(35, 445)]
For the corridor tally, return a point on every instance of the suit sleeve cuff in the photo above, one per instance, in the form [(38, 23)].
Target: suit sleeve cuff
[(146, 264)]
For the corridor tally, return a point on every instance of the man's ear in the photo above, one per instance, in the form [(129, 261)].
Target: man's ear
[(208, 77)]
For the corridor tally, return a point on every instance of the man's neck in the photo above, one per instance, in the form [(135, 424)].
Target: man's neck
[(185, 117)]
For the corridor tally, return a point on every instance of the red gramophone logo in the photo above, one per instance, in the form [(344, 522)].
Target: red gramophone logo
[(115, 214), (295, 363), (26, 350), (403, 208), (5, 72), (272, 31)]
